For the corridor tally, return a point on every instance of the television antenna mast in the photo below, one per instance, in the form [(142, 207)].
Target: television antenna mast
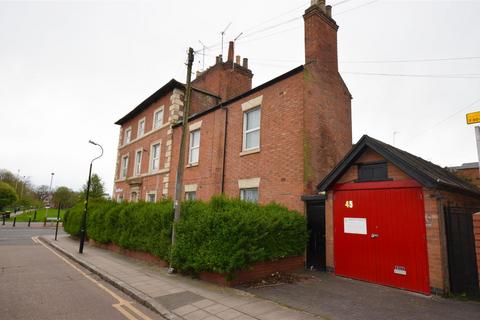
[(223, 33), (203, 54)]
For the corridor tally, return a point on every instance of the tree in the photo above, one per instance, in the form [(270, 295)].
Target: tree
[(65, 197), (97, 188), (7, 195), (42, 192)]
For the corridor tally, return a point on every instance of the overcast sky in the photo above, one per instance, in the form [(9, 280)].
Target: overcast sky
[(70, 69)]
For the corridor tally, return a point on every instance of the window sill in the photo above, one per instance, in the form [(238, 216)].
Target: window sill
[(190, 165), (246, 152)]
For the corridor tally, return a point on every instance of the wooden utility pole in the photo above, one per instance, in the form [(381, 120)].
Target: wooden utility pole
[(181, 158)]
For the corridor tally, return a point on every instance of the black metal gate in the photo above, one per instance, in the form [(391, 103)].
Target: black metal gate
[(316, 230), (462, 260)]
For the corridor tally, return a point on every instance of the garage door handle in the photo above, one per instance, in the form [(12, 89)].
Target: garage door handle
[(374, 235)]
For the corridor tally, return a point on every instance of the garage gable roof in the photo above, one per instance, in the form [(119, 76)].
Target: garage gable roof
[(426, 173)]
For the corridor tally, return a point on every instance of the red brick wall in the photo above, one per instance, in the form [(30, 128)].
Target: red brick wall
[(224, 80), (476, 230), (320, 38), (207, 174), (471, 175), (149, 182), (327, 101), (202, 102), (279, 164)]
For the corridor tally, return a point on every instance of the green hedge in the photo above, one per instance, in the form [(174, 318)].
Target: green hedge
[(226, 235), (223, 235)]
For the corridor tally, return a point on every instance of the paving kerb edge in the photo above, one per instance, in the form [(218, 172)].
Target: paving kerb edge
[(130, 291)]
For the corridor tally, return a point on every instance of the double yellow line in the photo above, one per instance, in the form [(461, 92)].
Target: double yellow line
[(123, 306)]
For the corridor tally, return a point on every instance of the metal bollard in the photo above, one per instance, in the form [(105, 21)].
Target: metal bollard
[(35, 215), (14, 221), (58, 219), (45, 222), (29, 220)]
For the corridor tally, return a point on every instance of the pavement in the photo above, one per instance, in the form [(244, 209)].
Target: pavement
[(341, 298), (174, 296)]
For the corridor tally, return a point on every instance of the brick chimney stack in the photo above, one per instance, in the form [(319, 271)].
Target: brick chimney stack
[(231, 51), (320, 36)]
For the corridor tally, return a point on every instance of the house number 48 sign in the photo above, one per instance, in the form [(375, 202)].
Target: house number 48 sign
[(349, 204)]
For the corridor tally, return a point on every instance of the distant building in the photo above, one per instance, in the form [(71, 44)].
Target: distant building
[(468, 171), (270, 143)]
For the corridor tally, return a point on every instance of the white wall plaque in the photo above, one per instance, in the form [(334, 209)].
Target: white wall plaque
[(355, 225)]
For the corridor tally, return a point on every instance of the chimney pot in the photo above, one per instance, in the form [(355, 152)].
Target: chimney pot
[(231, 51), (245, 63), (329, 11), (237, 59)]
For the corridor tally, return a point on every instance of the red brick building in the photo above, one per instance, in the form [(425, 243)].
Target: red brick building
[(395, 219), (468, 171), (273, 142)]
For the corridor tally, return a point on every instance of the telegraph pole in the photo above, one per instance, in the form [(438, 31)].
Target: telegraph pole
[(181, 159)]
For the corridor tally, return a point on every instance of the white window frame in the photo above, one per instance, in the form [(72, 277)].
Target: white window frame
[(138, 162), (193, 147), (124, 166), (244, 190), (245, 131), (147, 196), (189, 194), (152, 159), (140, 133), (154, 124), (127, 136)]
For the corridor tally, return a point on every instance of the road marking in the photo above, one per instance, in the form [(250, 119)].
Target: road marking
[(122, 303)]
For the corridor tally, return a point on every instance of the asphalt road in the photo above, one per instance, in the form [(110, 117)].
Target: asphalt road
[(38, 283)]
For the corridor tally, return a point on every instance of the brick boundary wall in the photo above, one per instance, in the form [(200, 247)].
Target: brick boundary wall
[(256, 272), (476, 231), (140, 255)]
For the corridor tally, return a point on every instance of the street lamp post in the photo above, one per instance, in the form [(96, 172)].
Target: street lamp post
[(83, 230), (49, 195)]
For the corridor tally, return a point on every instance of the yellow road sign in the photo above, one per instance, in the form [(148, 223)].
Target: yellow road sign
[(473, 117)]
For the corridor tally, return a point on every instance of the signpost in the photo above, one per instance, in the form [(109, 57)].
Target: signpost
[(472, 118)]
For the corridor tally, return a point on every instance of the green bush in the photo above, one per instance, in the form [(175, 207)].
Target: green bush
[(226, 235), (223, 235), (72, 219)]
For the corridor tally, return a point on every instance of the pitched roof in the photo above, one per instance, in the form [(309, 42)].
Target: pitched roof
[(426, 173), (169, 86)]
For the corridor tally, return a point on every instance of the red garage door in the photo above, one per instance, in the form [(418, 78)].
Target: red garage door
[(379, 235)]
